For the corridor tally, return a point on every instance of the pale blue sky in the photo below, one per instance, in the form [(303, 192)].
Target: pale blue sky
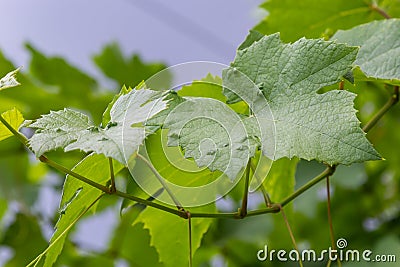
[(173, 31)]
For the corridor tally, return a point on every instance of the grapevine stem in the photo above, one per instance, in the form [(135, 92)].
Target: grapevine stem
[(274, 208), (267, 199), (61, 168), (243, 209), (331, 232), (162, 182), (190, 239), (151, 204), (105, 189), (112, 176), (291, 234), (327, 172), (269, 204), (391, 102), (341, 85), (328, 193), (376, 8)]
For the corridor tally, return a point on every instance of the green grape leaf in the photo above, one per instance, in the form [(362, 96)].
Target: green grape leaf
[(322, 18), (211, 86), (58, 129), (380, 48), (9, 80), (307, 124), (121, 137), (107, 112), (191, 185), (77, 196), (14, 118), (170, 235), (132, 242)]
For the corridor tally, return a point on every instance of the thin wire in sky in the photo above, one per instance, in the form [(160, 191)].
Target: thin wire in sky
[(185, 26)]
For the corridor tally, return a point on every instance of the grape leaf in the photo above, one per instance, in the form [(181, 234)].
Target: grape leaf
[(9, 80), (211, 86), (77, 196), (322, 18), (380, 48), (72, 130), (14, 118), (191, 185), (132, 242), (170, 235), (207, 129), (211, 133), (280, 181), (307, 125), (107, 113)]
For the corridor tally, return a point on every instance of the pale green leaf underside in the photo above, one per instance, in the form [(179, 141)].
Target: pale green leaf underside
[(307, 124), (212, 134), (9, 80), (379, 55), (122, 136), (14, 118)]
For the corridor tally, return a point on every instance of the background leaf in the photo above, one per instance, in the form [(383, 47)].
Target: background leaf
[(314, 19), (170, 235), (14, 118), (127, 71), (280, 181), (380, 48), (25, 237)]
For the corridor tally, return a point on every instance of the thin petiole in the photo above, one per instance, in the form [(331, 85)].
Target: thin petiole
[(331, 232), (383, 13), (112, 176), (162, 182), (243, 209), (327, 172), (291, 234), (190, 239), (62, 169), (391, 102)]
